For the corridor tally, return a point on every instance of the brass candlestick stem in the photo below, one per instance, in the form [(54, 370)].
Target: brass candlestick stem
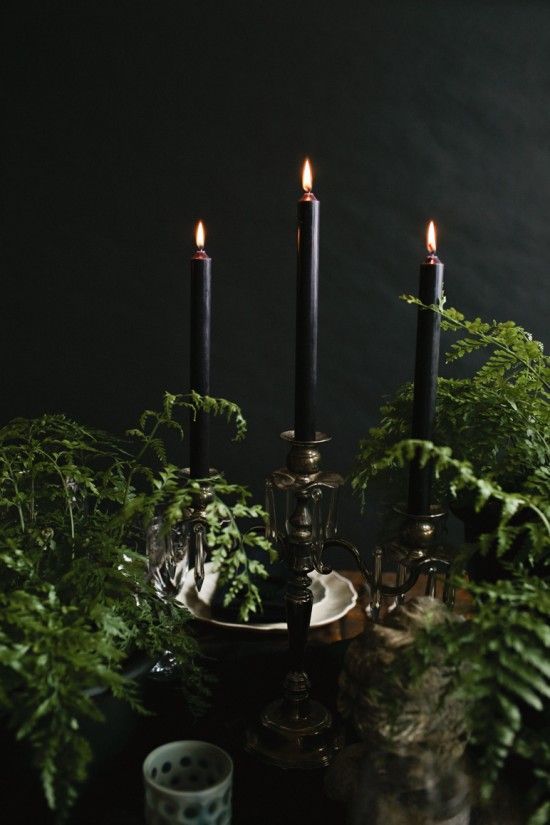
[(296, 731)]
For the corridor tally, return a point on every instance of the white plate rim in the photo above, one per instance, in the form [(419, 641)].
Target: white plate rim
[(336, 588)]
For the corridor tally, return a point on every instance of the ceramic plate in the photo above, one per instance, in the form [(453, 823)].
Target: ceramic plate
[(334, 596)]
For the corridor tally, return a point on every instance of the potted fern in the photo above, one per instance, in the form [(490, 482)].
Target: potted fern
[(491, 458), (497, 420), (76, 605)]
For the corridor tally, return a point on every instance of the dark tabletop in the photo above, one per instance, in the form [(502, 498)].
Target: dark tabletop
[(251, 673), (248, 671)]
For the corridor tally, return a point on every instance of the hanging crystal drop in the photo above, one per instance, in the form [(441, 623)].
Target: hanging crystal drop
[(449, 591), (180, 554), (157, 560), (376, 595), (271, 521), (316, 517), (288, 503), (331, 527), (200, 554), (152, 547)]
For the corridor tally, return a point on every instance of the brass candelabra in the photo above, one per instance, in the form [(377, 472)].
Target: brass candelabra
[(296, 731)]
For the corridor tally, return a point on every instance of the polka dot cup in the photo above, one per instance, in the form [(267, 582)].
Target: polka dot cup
[(188, 783)]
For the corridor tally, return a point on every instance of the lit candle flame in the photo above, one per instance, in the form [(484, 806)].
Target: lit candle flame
[(430, 238), (307, 177), (199, 235)]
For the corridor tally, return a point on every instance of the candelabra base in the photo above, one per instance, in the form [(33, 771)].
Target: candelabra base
[(311, 740)]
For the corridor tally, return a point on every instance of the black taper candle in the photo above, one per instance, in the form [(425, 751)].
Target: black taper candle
[(307, 302), (201, 286), (425, 375)]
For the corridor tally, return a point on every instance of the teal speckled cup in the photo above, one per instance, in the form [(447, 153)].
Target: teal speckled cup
[(188, 783)]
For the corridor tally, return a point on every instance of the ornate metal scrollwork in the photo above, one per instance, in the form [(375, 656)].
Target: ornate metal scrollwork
[(172, 551), (419, 549)]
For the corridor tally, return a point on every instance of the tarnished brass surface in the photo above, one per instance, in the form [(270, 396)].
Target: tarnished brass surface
[(422, 533), (419, 548), (305, 742)]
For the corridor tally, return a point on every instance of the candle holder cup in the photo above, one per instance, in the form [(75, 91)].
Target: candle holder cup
[(296, 731)]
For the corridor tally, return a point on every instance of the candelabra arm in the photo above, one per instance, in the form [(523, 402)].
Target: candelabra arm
[(317, 559), (351, 548), (417, 549), (385, 589)]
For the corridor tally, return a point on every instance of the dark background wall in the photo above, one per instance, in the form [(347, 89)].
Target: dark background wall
[(128, 121)]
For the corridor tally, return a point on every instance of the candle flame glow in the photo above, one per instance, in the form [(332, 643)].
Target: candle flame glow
[(199, 235), (430, 238), (307, 177)]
